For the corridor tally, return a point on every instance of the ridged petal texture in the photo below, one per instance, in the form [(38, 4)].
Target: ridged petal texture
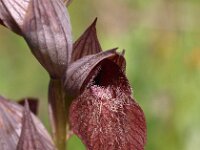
[(45, 25), (105, 116), (11, 115), (47, 31), (30, 138), (12, 13)]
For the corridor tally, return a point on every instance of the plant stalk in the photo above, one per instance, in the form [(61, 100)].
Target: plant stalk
[(58, 111)]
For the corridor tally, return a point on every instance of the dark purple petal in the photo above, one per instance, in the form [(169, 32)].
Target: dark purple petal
[(82, 71), (105, 116), (47, 31), (33, 104), (87, 44), (11, 115), (30, 139)]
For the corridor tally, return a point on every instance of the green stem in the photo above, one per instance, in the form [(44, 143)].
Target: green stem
[(58, 111)]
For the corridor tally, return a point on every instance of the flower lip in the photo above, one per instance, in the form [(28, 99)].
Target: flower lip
[(106, 109)]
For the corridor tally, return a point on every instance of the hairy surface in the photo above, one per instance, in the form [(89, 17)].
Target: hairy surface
[(108, 119), (105, 116)]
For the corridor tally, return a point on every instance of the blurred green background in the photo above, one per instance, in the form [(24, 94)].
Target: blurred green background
[(162, 42)]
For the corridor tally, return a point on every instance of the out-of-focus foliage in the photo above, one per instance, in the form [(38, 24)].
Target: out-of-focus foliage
[(161, 38)]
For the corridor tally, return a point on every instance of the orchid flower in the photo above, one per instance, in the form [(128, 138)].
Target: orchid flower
[(89, 93)]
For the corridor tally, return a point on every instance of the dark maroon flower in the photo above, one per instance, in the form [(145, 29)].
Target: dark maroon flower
[(88, 87), (103, 113)]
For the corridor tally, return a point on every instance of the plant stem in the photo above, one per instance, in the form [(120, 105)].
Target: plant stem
[(58, 111)]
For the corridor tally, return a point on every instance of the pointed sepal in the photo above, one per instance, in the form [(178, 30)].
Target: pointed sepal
[(11, 115), (30, 139), (87, 44)]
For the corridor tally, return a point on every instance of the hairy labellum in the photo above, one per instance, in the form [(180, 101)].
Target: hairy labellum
[(105, 116), (108, 119)]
